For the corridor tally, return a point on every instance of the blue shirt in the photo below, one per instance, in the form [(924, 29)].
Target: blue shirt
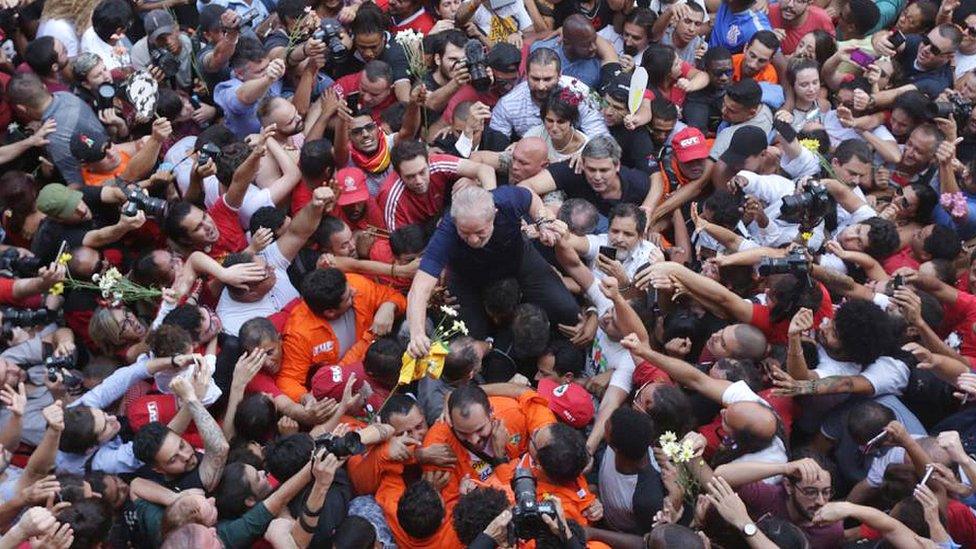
[(585, 70), (499, 258), (732, 31), (240, 118), (966, 227)]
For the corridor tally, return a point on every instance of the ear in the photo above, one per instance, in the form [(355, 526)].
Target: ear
[(249, 501)]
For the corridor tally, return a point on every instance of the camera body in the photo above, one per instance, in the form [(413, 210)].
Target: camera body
[(58, 366), (24, 318), (349, 444), (528, 512), (138, 200), (248, 18), (22, 267), (477, 63), (208, 152), (807, 208), (105, 96), (165, 60), (330, 35), (795, 263), (957, 107)]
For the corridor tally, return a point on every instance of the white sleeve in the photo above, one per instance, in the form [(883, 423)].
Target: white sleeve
[(740, 392), (595, 241), (802, 165), (879, 464), (831, 261), (864, 212), (623, 370), (272, 254), (254, 199), (887, 375), (599, 300), (768, 188)]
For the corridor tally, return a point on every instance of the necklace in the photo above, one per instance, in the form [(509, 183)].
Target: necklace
[(568, 145)]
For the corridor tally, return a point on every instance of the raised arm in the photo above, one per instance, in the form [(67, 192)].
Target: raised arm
[(305, 223), (540, 184), (702, 287), (281, 188), (215, 446), (143, 161), (482, 173), (679, 370), (739, 473), (244, 371), (245, 173)]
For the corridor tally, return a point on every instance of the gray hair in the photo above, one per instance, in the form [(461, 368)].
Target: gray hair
[(471, 202), (602, 146)]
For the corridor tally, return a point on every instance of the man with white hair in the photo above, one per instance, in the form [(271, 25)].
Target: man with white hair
[(481, 241)]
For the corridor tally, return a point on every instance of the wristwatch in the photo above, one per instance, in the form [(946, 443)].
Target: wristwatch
[(749, 529)]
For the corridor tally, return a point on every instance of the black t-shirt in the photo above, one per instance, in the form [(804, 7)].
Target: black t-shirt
[(931, 82), (392, 55), (636, 147), (186, 481), (634, 186), (50, 233)]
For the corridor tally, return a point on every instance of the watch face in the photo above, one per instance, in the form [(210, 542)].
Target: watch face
[(749, 529)]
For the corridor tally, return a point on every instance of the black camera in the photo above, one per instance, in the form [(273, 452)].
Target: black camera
[(138, 200), (330, 34), (24, 318), (22, 267), (957, 107), (349, 444), (248, 18), (807, 208), (527, 514), (105, 96), (795, 263), (208, 152), (477, 63), (60, 366), (166, 61)]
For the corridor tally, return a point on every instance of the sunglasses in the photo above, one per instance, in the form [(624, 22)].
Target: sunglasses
[(927, 42), (722, 72), (368, 128), (971, 31)]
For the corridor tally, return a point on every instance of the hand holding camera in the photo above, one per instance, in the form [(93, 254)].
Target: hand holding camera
[(275, 70), (161, 130)]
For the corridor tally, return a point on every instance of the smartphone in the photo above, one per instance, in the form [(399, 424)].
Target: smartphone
[(352, 101), (875, 442), (896, 39), (785, 130), (928, 472), (608, 252), (898, 281), (863, 59)]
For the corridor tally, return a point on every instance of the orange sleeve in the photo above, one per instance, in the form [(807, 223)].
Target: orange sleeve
[(536, 410), (379, 294), (296, 360), (574, 498), (365, 470)]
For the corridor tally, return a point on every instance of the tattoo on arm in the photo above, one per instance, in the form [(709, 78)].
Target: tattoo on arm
[(214, 443)]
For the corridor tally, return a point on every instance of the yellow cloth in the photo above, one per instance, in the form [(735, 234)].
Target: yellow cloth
[(432, 364)]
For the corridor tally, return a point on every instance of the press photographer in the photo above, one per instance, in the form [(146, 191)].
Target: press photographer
[(165, 51)]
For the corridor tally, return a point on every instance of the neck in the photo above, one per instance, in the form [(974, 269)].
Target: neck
[(626, 466), (613, 190), (45, 103), (795, 516), (803, 104), (440, 78), (678, 42)]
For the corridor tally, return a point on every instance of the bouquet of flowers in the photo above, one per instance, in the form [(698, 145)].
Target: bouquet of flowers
[(433, 364), (412, 43), (114, 287), (681, 455), (955, 204)]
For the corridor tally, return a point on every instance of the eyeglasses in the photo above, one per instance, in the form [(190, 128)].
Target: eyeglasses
[(812, 492), (901, 200), (721, 72), (129, 322), (927, 42), (367, 129), (971, 31)]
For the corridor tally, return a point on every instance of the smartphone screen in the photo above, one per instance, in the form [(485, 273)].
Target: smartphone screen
[(608, 252)]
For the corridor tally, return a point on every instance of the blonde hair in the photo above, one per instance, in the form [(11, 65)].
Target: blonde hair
[(105, 330), (77, 12)]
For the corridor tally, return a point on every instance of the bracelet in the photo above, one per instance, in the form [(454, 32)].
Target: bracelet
[(306, 526), (309, 512)]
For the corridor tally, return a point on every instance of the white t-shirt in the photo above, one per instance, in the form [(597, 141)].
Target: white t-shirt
[(617, 491), (894, 454), (607, 354), (640, 255), (775, 452), (254, 198), (113, 57), (964, 63), (234, 314), (64, 31), (887, 375)]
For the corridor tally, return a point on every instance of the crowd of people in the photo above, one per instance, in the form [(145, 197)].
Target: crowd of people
[(492, 273)]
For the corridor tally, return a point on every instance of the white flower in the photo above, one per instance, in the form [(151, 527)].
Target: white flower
[(449, 311), (668, 436), (671, 449), (95, 277), (459, 327)]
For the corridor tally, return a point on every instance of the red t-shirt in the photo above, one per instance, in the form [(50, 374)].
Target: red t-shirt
[(901, 258), (421, 22), (676, 95), (300, 196), (782, 405), (777, 333), (401, 206), (817, 19), (263, 382), (231, 238), (349, 84), (960, 317)]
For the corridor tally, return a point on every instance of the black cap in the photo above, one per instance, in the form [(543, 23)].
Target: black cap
[(88, 148), (745, 92), (746, 141), (504, 57), (618, 88)]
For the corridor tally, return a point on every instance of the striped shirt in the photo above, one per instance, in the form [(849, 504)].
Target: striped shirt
[(401, 206), (516, 112)]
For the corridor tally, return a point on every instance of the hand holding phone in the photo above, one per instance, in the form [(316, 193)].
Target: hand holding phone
[(608, 252)]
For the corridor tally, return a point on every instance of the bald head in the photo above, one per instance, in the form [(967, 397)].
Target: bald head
[(529, 157), (751, 419), (751, 340), (579, 38)]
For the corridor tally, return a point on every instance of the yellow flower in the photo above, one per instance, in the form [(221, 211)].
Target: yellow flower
[(57, 289), (812, 145), (64, 258)]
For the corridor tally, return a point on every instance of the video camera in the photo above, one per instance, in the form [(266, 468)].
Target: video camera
[(349, 444), (807, 208), (330, 34), (138, 200), (22, 267), (165, 60), (527, 514), (477, 63), (957, 107), (795, 263), (60, 366)]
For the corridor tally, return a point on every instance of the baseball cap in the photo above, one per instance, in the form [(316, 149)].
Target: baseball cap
[(618, 88), (352, 186), (84, 63), (746, 141), (504, 57), (57, 200), (158, 23), (689, 144), (88, 148), (645, 373), (570, 402), (745, 92), (329, 381), (210, 16)]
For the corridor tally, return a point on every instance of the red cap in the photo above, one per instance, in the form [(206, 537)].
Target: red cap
[(329, 381), (352, 186), (689, 144), (570, 402), (645, 372)]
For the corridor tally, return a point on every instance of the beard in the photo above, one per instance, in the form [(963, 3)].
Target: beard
[(630, 50)]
